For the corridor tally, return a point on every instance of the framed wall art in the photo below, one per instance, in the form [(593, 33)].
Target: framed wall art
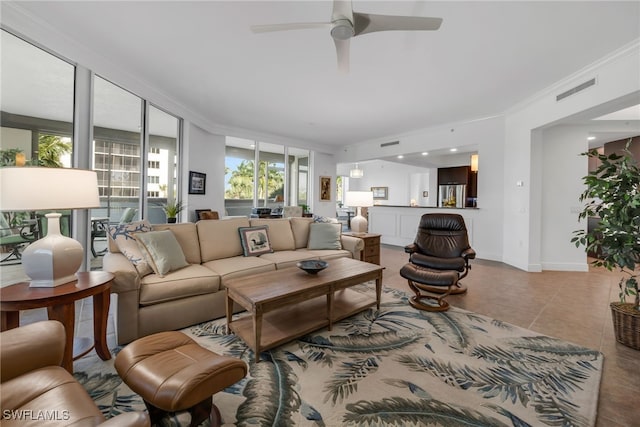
[(197, 182), (380, 193), (325, 188)]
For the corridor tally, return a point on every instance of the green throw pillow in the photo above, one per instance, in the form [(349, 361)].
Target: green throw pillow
[(162, 251), (324, 235)]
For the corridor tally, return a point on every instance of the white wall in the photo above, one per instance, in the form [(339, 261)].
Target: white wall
[(323, 165), (488, 136), (203, 152), (617, 77), (561, 187), (395, 176)]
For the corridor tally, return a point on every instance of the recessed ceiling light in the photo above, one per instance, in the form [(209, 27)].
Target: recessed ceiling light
[(453, 149), (400, 156), (591, 138), (425, 153)]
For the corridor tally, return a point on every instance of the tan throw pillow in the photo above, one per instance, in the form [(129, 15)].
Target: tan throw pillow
[(162, 251), (300, 229), (280, 234), (324, 235), (122, 235), (255, 240)]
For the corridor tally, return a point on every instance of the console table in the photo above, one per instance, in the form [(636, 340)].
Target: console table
[(60, 304)]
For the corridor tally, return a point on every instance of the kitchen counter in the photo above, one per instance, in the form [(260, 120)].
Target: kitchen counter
[(420, 207)]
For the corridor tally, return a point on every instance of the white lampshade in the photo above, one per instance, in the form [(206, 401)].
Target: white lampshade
[(54, 259), (358, 198)]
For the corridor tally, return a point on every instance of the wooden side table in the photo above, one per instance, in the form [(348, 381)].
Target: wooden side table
[(60, 304), (371, 251)]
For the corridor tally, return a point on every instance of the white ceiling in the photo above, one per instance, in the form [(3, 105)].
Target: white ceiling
[(486, 57)]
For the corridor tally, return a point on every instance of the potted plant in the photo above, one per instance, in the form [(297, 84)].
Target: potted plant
[(613, 195), (172, 208)]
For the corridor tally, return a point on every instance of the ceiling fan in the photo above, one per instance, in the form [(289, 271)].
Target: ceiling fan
[(345, 24)]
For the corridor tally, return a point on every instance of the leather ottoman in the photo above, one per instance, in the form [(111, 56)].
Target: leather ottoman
[(173, 373), (423, 279)]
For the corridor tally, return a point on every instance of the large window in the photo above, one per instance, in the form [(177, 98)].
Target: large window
[(37, 105), (162, 185), (117, 149), (271, 175), (36, 129), (239, 176), (275, 183), (299, 173)]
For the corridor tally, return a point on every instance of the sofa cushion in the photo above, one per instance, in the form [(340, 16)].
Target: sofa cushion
[(284, 259), (255, 240), (239, 266), (162, 251), (280, 234), (220, 239), (187, 235), (328, 254), (300, 230), (122, 235), (189, 281), (324, 236)]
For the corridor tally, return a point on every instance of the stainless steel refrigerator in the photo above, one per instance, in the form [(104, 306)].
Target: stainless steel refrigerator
[(452, 196)]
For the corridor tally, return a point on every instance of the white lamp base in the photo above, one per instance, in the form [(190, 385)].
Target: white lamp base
[(54, 259), (359, 223)]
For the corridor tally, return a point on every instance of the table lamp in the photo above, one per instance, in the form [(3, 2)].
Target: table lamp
[(358, 199), (54, 259)]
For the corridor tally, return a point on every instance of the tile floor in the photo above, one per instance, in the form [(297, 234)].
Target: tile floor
[(568, 305)]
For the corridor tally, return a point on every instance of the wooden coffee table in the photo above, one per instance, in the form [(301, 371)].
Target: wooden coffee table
[(289, 303)]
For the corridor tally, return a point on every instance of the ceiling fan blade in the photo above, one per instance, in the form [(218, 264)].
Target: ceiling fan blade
[(342, 51), (364, 23), (286, 27), (342, 9)]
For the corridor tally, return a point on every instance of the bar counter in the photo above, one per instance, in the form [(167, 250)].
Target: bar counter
[(397, 225)]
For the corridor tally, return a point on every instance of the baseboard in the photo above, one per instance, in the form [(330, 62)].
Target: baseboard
[(565, 266)]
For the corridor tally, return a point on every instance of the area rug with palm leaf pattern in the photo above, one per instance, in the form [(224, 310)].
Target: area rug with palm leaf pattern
[(394, 367)]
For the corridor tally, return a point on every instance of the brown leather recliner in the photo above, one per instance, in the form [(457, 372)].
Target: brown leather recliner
[(439, 258), (36, 391)]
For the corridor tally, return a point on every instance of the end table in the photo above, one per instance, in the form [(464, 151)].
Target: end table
[(371, 251), (60, 304)]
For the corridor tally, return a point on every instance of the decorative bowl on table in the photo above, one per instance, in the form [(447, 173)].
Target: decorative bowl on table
[(312, 266)]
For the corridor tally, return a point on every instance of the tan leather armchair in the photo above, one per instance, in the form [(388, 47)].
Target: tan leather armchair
[(36, 391)]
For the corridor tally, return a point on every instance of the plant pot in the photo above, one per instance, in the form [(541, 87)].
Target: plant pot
[(171, 220), (626, 324)]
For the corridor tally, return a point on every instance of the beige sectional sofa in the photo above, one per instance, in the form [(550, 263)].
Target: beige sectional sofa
[(214, 253)]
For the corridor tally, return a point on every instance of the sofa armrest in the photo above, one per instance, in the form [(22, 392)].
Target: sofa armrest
[(353, 244), (30, 347), (126, 276)]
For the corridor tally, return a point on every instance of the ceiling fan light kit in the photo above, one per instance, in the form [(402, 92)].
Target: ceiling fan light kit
[(342, 29), (346, 24)]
